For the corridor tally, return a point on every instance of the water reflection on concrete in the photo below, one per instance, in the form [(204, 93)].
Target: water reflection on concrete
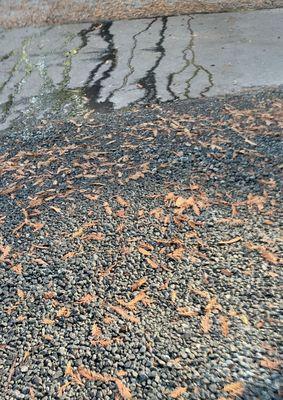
[(116, 64)]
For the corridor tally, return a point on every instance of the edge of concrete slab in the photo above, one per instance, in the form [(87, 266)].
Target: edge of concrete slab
[(19, 13)]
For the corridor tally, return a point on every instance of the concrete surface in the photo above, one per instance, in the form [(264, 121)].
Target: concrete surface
[(72, 67), (15, 13)]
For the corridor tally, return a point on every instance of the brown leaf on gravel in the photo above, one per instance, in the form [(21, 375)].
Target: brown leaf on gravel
[(62, 388), (177, 254), (226, 272), (86, 299), (176, 393), (231, 241), (102, 342), (31, 393), (231, 221), (121, 373), (235, 388), (264, 252), (224, 325), (139, 283), (94, 376), (136, 176), (18, 269), (132, 304), (21, 294), (107, 208), (70, 254), (185, 312), (63, 312), (92, 197), (123, 390), (49, 295), (206, 323), (5, 250), (35, 202), (270, 364), (123, 313), (258, 201), (199, 292), (269, 256), (95, 330), (39, 261), (48, 321), (122, 201), (37, 226), (144, 251), (211, 305), (152, 263), (78, 233), (69, 369), (74, 375), (94, 236), (56, 209)]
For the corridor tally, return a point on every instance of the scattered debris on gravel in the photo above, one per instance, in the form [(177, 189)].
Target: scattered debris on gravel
[(140, 253)]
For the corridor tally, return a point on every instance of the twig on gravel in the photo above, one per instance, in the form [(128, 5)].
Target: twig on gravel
[(11, 372)]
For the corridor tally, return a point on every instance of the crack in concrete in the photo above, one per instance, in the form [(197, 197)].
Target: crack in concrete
[(129, 62), (198, 67)]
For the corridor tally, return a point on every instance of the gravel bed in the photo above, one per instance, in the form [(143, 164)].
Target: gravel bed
[(140, 253)]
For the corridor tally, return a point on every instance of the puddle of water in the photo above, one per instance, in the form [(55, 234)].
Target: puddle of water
[(68, 69)]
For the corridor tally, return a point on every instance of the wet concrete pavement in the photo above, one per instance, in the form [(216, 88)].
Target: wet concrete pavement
[(71, 68)]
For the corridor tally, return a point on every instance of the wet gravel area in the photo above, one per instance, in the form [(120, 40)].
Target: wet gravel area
[(140, 253)]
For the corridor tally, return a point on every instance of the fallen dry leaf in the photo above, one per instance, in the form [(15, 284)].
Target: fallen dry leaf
[(49, 295), (107, 208), (235, 388), (176, 393), (102, 342), (121, 311), (141, 296), (86, 299), (5, 250), (173, 296), (270, 257), (123, 390), (94, 376), (199, 292), (185, 312), (136, 285), (78, 233), (206, 323), (144, 251), (224, 325), (69, 369), (31, 393), (136, 176), (231, 241), (211, 305), (18, 269), (270, 364), (21, 294), (48, 321), (152, 263), (63, 312), (92, 197), (177, 254), (62, 388), (122, 201), (95, 331), (94, 236)]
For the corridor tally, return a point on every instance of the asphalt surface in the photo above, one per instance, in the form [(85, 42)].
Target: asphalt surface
[(140, 253)]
